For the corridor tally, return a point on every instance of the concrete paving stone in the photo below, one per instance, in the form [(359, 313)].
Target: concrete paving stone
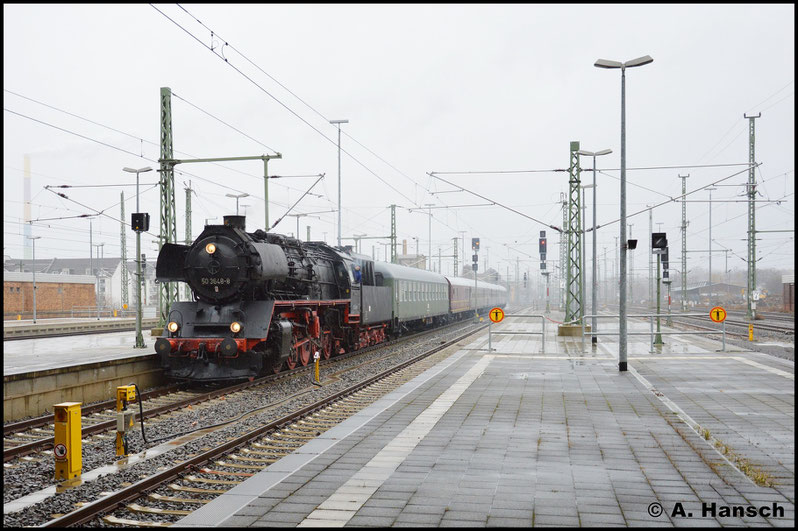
[(697, 522), (462, 523), (266, 503), (384, 502), (289, 506), (601, 520), (631, 523), (240, 521), (266, 523), (555, 520), (522, 503), (555, 510), (606, 498), (465, 515), (380, 511), (308, 499), (251, 510), (459, 505), (432, 506), (284, 518), (494, 521), (370, 521), (419, 518), (499, 512)]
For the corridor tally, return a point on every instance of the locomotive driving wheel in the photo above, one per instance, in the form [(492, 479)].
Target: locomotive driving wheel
[(326, 344), (304, 353), (291, 361)]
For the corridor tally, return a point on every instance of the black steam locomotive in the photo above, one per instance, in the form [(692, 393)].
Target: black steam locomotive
[(264, 301)]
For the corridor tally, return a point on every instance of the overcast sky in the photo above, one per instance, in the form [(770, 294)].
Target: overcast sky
[(442, 88)]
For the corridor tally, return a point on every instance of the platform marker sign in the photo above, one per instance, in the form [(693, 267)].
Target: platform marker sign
[(60, 451), (496, 315), (717, 314)]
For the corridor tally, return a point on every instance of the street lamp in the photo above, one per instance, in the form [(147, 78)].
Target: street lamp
[(139, 336), (593, 289), (33, 268), (237, 197), (338, 123), (604, 63)]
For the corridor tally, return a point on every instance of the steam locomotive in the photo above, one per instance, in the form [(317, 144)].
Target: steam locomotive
[(265, 301)]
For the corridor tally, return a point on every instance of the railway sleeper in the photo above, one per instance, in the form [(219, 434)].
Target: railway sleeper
[(275, 447), (162, 498), (136, 508), (181, 488), (271, 453), (213, 481), (269, 460), (111, 519), (234, 465)]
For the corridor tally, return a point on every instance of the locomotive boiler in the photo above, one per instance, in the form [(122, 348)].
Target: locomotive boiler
[(262, 301)]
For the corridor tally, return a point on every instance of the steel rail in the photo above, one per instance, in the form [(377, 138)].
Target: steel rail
[(48, 442), (91, 510)]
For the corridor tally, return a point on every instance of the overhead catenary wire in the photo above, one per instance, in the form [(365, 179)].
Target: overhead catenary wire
[(308, 105), (248, 78)]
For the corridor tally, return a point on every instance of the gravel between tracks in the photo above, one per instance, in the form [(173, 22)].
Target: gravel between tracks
[(33, 476)]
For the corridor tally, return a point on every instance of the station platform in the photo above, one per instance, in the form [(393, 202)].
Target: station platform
[(25, 356), (548, 435)]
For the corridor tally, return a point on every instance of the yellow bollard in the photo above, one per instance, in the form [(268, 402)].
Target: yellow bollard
[(19, 317), (114, 313), (317, 358), (124, 417), (68, 440), (750, 332)]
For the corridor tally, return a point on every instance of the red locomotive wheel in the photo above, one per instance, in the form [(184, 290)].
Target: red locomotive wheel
[(304, 353), (326, 345)]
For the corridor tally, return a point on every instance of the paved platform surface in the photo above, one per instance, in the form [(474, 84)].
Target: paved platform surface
[(29, 355), (517, 437)]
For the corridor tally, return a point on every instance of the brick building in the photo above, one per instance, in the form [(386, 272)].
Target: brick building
[(56, 295)]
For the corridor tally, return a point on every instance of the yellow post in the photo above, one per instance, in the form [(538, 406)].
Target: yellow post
[(750, 332), (317, 357), (124, 417), (68, 438), (114, 313), (19, 317)]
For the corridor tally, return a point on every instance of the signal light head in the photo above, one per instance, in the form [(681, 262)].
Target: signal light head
[(172, 326), (235, 327), (210, 248)]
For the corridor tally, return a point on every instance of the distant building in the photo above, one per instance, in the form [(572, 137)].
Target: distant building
[(56, 295), (104, 273), (702, 293), (412, 260)]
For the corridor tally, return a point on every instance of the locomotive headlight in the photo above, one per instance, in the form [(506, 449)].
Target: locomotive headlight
[(172, 326), (235, 327), (210, 248)]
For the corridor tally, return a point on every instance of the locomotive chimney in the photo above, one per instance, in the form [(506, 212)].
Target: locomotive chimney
[(238, 222)]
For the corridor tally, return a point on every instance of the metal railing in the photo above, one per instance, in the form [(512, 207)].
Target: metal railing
[(651, 331), (103, 311), (516, 332)]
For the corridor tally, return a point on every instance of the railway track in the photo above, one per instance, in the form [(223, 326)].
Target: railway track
[(169, 494), (776, 322), (35, 435)]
